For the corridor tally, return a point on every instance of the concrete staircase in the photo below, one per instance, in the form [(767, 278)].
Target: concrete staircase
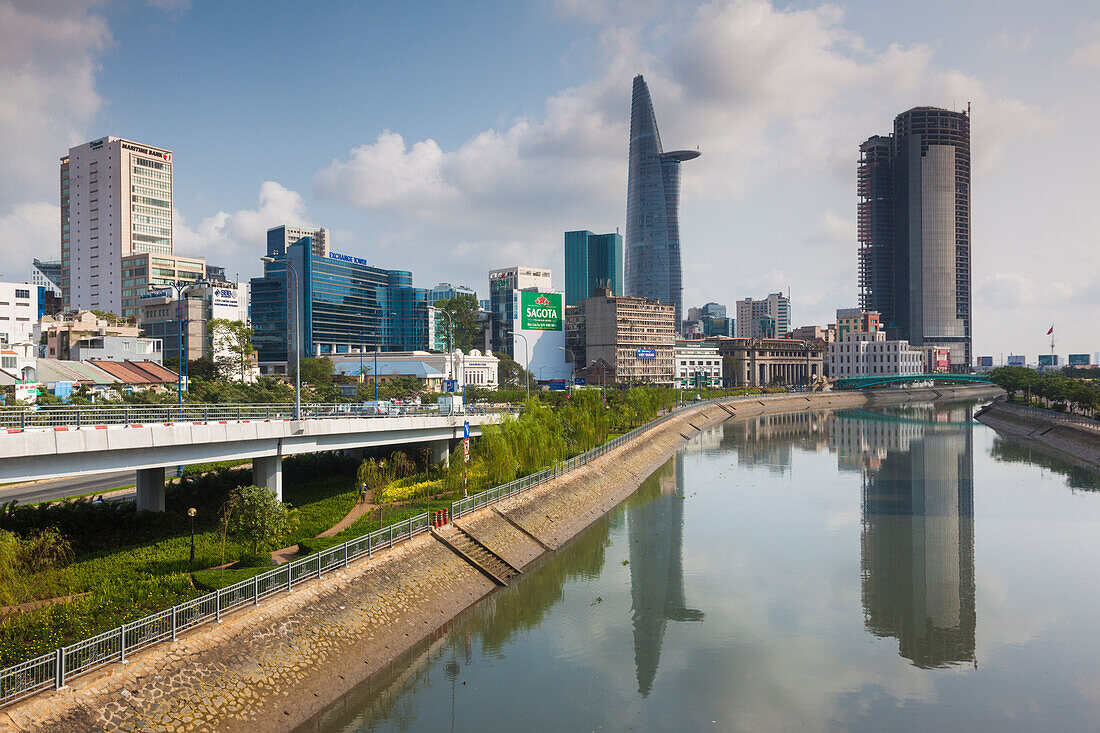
[(466, 546)]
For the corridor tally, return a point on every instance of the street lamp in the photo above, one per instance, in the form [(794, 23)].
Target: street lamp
[(191, 513), (572, 367), (527, 365), (297, 338)]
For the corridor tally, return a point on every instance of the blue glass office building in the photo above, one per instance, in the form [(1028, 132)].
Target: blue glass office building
[(653, 267), (592, 261), (343, 305)]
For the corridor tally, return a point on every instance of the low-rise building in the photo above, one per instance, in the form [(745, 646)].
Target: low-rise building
[(162, 315), (760, 362), (145, 271), (634, 338), (474, 369), (117, 348), (851, 320), (56, 334), (937, 359), (698, 364), (813, 333), (869, 354), (18, 312)]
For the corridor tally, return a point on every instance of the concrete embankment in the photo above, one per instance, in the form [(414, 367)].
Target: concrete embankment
[(1065, 436), (274, 666)]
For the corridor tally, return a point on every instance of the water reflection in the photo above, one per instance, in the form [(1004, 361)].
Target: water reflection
[(656, 526), (768, 440), (917, 539)]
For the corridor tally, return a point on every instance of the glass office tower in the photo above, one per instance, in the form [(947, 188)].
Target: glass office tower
[(914, 230), (653, 268), (343, 305), (592, 261)]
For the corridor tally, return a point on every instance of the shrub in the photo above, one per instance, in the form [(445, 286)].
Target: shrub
[(254, 515)]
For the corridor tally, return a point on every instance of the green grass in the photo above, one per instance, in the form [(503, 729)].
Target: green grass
[(129, 582), (210, 580)]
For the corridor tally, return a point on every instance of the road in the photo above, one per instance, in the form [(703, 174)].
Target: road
[(62, 487)]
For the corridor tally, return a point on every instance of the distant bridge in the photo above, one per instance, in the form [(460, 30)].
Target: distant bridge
[(889, 380)]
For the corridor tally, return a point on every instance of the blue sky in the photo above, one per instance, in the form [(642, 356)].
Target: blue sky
[(452, 138)]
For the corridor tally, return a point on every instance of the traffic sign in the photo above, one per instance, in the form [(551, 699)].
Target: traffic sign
[(466, 430), (466, 449)]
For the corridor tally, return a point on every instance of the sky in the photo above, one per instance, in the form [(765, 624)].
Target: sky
[(453, 138)]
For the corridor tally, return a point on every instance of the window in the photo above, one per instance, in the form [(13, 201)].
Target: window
[(22, 293)]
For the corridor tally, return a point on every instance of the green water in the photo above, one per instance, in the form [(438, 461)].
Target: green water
[(900, 570)]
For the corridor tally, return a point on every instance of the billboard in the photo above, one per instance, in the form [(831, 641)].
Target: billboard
[(540, 311), (646, 353), (1078, 359), (1017, 360), (538, 330), (985, 362), (27, 391), (1048, 360)]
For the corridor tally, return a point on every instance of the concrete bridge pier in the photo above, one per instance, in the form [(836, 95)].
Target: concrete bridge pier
[(150, 489), (268, 471), (440, 453)]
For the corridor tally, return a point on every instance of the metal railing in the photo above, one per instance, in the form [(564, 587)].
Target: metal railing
[(54, 669), (93, 415)]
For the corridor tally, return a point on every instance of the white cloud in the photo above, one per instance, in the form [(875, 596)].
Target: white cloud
[(1009, 42), (1087, 54), (28, 231), (236, 240), (48, 55)]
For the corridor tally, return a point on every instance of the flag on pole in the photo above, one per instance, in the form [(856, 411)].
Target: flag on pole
[(1051, 330)]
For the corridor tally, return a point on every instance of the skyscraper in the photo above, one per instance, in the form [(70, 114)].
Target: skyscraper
[(767, 318), (914, 230), (116, 201), (653, 268), (592, 261)]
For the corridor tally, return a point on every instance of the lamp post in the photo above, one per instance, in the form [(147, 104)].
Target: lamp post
[(527, 365), (191, 514), (572, 367), (297, 337), (462, 362)]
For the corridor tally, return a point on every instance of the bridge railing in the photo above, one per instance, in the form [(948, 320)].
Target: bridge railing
[(55, 669), (81, 416)]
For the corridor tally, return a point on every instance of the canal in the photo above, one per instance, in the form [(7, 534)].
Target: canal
[(904, 569)]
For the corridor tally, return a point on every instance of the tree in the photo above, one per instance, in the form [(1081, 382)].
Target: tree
[(254, 515), (232, 346), (318, 372), (460, 324), (202, 368), (512, 374)]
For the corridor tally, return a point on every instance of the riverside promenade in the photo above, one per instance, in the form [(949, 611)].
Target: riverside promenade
[(1073, 437), (273, 666)]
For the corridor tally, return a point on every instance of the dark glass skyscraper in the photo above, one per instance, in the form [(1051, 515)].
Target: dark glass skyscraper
[(653, 267), (914, 230), (592, 261)]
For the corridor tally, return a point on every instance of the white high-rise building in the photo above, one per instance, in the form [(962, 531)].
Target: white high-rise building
[(18, 312), (116, 200), (767, 318), (502, 286)]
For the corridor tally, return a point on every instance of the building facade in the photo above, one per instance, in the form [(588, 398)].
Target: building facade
[(652, 248), (760, 362), (502, 286), (281, 237), (55, 334), (116, 200), (19, 312), (698, 364), (162, 315), (767, 318), (592, 262), (634, 338), (869, 354), (117, 348), (144, 272), (852, 320), (47, 275), (334, 304), (473, 369), (914, 234)]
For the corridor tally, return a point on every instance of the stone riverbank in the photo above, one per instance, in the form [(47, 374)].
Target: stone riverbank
[(1065, 436), (272, 667)]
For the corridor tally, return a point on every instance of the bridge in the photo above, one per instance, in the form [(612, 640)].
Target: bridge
[(63, 442), (890, 380)]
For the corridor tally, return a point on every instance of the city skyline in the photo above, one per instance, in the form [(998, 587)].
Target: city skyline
[(535, 148)]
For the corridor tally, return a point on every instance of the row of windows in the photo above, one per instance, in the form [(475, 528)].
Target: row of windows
[(157, 174), (151, 201), (157, 220), (151, 163), (163, 212), (146, 229)]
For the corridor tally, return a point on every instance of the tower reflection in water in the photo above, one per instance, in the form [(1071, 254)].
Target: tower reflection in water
[(655, 518), (918, 527)]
